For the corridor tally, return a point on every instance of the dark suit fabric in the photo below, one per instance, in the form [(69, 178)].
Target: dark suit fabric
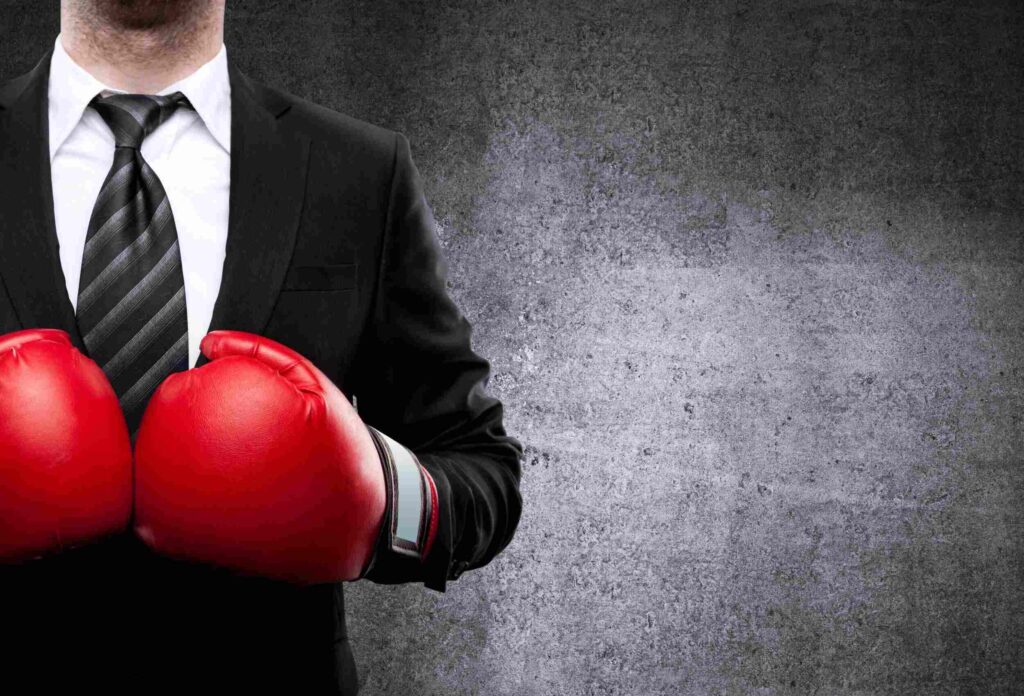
[(332, 251)]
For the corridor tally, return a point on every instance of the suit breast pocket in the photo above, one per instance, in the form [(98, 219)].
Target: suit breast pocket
[(319, 313), (320, 278)]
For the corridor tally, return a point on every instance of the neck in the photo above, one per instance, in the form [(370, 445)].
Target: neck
[(141, 59)]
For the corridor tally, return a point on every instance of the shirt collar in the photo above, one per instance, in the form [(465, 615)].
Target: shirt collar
[(71, 88)]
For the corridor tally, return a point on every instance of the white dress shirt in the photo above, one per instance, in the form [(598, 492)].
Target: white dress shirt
[(190, 153)]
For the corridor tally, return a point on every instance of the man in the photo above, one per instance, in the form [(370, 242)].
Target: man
[(297, 240)]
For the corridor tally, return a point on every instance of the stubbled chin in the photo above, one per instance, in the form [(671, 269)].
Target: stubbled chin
[(148, 14)]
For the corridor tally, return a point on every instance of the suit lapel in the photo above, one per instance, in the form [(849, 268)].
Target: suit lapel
[(29, 256), (268, 180)]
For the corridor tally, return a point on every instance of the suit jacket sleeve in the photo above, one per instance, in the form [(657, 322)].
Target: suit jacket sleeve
[(418, 380)]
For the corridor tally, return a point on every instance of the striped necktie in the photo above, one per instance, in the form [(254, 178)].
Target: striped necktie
[(131, 297)]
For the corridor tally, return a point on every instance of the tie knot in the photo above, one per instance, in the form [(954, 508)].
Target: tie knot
[(132, 117)]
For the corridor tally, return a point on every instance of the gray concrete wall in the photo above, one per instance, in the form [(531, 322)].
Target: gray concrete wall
[(750, 277)]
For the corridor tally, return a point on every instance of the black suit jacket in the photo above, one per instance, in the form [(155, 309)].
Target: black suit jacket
[(331, 250)]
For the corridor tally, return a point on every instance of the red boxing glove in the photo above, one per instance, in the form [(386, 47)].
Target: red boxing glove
[(65, 453), (258, 463)]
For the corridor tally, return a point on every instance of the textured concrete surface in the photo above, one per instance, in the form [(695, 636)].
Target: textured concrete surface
[(750, 277)]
